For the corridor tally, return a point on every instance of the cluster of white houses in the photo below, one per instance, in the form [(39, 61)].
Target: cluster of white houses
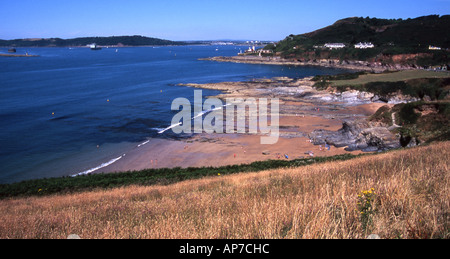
[(364, 45), (434, 48), (253, 50), (361, 45), (334, 45)]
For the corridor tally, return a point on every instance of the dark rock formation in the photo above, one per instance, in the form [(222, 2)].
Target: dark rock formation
[(358, 135)]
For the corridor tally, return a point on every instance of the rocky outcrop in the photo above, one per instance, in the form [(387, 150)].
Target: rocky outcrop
[(379, 64), (353, 97), (290, 89), (358, 135)]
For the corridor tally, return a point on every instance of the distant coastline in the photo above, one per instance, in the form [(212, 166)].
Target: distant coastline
[(118, 41), (18, 55), (330, 63)]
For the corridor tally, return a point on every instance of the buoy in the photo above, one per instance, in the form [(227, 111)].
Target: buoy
[(53, 114)]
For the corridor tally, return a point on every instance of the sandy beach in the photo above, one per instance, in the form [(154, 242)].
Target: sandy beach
[(298, 118)]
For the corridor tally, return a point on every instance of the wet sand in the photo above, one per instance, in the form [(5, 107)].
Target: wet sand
[(214, 150)]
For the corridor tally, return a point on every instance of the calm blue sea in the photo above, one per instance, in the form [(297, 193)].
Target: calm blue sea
[(55, 109)]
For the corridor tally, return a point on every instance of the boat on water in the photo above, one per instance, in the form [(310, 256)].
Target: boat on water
[(12, 50), (94, 46)]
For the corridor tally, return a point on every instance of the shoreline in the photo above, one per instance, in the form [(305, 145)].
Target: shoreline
[(329, 63), (299, 117)]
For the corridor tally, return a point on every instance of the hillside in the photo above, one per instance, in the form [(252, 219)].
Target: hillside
[(390, 37), (417, 106), (81, 42), (401, 194)]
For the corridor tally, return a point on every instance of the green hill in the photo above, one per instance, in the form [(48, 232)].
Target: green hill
[(81, 42), (390, 37)]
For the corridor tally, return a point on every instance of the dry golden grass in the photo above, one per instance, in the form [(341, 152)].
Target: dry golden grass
[(411, 200)]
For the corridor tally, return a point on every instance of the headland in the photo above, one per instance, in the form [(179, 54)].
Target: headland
[(330, 63)]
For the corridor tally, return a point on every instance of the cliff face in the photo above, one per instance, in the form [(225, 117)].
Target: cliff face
[(408, 58)]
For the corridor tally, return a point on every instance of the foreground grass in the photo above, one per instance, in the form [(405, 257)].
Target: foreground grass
[(164, 176), (400, 194)]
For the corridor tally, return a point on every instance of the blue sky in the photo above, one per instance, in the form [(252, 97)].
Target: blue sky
[(194, 19)]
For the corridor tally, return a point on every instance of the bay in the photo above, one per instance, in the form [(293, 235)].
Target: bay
[(58, 109)]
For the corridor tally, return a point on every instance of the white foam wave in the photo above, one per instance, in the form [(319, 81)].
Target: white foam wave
[(158, 129), (145, 143), (172, 126), (210, 110), (196, 116), (99, 167), (200, 114)]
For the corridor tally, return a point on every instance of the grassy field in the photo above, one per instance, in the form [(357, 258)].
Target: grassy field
[(399, 194), (419, 84), (391, 77), (163, 176)]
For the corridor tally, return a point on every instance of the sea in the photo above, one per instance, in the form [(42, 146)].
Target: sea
[(71, 111)]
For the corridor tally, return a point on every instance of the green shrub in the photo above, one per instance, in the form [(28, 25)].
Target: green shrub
[(407, 114), (383, 115)]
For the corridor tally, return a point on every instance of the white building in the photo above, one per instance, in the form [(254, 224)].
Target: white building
[(335, 45), (251, 49), (364, 45), (434, 48)]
